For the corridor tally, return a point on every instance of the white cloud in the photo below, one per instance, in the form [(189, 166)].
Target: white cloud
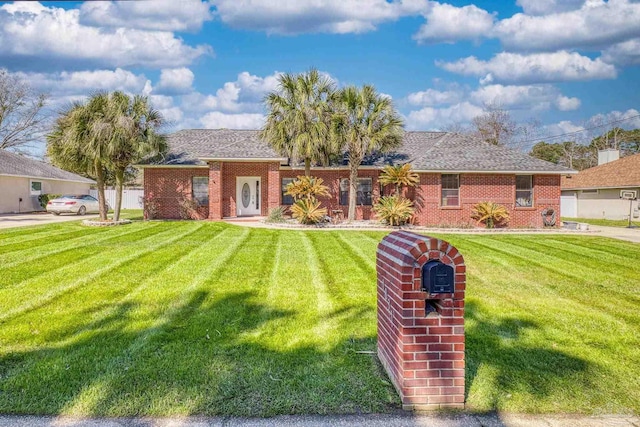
[(433, 97), (534, 68), (49, 36), (318, 16), (84, 82), (597, 24), (449, 24), (439, 118), (164, 15), (593, 126), (175, 81), (217, 120), (533, 97), (242, 95), (625, 53), (545, 7), (564, 103)]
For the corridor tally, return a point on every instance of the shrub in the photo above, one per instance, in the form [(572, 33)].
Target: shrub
[(308, 211), (491, 214), (150, 208), (189, 208), (307, 187), (276, 214), (399, 176), (44, 199), (394, 210)]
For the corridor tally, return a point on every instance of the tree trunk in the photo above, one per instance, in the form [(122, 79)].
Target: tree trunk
[(353, 190), (307, 167), (119, 187), (102, 202)]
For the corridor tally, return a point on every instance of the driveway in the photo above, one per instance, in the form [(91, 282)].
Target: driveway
[(621, 233), (38, 218)]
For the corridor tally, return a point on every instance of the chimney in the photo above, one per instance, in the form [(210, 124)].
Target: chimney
[(608, 155)]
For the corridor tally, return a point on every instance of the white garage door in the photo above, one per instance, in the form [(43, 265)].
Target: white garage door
[(569, 204)]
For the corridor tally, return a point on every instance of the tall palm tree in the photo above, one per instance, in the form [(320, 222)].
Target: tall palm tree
[(299, 117), (133, 135), (78, 142), (368, 123)]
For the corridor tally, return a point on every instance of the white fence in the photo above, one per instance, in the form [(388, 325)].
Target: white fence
[(131, 199)]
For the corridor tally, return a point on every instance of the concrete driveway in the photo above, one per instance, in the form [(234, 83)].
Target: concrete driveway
[(620, 233), (38, 218)]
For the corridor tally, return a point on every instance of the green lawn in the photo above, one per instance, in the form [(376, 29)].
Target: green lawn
[(605, 222), (172, 318)]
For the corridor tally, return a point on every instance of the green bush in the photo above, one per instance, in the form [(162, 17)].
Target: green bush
[(308, 211), (44, 199), (491, 214), (276, 214), (394, 210)]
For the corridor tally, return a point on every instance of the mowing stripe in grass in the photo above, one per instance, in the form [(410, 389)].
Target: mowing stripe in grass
[(34, 254), (169, 261), (324, 306), (92, 392), (49, 238), (85, 279), (9, 234), (356, 250), (17, 275)]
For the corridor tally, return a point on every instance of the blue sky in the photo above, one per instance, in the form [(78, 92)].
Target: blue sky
[(568, 64)]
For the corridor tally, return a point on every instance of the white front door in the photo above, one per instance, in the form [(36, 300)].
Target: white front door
[(248, 195)]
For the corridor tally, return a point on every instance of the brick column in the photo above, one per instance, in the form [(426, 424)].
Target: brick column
[(215, 191), (422, 350), (273, 187)]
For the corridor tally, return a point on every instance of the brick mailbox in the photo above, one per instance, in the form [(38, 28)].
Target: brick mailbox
[(421, 284)]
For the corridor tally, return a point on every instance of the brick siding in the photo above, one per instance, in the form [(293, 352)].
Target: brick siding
[(169, 185), (422, 354)]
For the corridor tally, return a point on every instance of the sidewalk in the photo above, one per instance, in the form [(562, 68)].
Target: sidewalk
[(401, 419)]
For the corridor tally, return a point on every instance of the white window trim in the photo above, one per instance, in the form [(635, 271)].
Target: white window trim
[(35, 193)]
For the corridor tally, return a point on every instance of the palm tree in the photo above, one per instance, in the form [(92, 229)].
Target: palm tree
[(368, 123), (132, 136), (299, 119), (78, 142), (399, 176)]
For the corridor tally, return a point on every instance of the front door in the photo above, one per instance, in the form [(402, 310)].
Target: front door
[(248, 195)]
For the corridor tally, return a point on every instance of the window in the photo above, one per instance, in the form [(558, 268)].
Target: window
[(36, 188), (286, 200), (200, 189), (450, 190), (363, 193), (524, 191)]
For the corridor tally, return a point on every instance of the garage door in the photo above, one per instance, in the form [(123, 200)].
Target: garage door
[(569, 204)]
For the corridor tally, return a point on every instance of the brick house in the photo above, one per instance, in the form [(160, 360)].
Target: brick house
[(232, 173)]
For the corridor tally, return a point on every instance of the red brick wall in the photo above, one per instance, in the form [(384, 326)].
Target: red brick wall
[(423, 355), (171, 184), (476, 188), (332, 180), (167, 186)]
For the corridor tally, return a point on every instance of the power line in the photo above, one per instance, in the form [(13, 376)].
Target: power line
[(579, 131)]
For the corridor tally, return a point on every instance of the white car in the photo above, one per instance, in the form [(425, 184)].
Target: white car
[(78, 204)]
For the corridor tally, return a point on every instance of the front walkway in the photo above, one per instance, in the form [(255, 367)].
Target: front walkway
[(400, 419)]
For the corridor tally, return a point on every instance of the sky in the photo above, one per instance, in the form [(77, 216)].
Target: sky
[(567, 64)]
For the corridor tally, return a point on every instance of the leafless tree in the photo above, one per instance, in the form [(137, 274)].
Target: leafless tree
[(495, 125), (22, 120)]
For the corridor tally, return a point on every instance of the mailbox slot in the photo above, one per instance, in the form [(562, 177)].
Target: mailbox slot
[(437, 278)]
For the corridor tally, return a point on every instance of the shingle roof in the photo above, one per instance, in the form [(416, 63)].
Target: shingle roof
[(15, 164), (426, 151), (624, 172)]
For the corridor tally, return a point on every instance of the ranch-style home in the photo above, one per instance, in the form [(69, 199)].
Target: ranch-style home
[(233, 173)]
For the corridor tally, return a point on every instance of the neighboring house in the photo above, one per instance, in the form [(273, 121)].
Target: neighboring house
[(595, 192), (233, 173), (23, 179)]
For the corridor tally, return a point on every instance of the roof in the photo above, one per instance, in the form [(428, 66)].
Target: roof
[(17, 165), (621, 173), (426, 151)]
